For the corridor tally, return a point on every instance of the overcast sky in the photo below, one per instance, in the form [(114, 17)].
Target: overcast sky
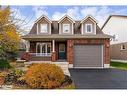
[(31, 13)]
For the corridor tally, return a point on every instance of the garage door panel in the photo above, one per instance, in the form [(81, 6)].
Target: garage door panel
[(88, 56)]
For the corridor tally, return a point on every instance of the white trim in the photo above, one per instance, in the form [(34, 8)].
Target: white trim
[(102, 47), (70, 66), (92, 19), (67, 17), (72, 22), (64, 27), (27, 46), (47, 19), (50, 28), (88, 67), (72, 29), (86, 28), (41, 43), (37, 28), (95, 28), (82, 29), (41, 54), (106, 65), (59, 28)]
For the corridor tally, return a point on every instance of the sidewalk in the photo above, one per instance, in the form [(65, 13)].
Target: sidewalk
[(123, 61)]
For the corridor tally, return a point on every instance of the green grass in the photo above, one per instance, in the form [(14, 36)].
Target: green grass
[(119, 65)]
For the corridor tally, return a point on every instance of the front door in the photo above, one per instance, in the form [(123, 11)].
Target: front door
[(62, 51)]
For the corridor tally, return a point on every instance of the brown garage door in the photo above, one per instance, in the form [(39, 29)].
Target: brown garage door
[(88, 56)]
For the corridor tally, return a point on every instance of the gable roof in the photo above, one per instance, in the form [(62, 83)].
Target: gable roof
[(43, 16), (91, 18), (66, 16), (110, 18)]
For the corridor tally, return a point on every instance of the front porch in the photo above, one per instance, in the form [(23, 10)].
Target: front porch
[(47, 50)]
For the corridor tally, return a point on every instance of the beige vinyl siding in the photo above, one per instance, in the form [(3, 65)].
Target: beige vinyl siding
[(65, 21), (43, 21), (84, 27)]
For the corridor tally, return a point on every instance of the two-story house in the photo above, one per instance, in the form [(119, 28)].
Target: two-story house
[(81, 43)]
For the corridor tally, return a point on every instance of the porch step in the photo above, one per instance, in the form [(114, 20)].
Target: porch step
[(64, 67)]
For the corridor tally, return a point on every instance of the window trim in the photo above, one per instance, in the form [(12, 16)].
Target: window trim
[(41, 28), (69, 27), (121, 47), (46, 47), (86, 28)]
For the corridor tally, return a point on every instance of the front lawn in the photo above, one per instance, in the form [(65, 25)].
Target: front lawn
[(119, 65)]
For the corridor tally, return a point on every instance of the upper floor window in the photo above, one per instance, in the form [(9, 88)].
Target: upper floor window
[(123, 47), (88, 28), (66, 28), (43, 28)]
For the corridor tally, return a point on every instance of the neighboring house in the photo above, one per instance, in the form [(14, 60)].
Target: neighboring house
[(116, 25), (119, 51), (22, 48), (81, 43)]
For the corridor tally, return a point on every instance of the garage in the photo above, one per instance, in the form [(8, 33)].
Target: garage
[(88, 56)]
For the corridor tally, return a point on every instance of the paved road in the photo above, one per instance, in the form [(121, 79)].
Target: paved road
[(99, 78)]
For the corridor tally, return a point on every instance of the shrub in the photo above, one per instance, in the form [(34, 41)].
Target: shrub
[(44, 75), (67, 81), (13, 76), (21, 81), (2, 78), (11, 55), (4, 64), (18, 72)]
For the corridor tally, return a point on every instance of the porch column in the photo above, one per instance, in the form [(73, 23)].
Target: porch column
[(53, 51), (27, 46)]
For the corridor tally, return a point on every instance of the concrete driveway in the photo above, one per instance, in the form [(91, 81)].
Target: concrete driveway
[(99, 78)]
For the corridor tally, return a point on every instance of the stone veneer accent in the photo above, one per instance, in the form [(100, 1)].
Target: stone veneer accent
[(72, 42)]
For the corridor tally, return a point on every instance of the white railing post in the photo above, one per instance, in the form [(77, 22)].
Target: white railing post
[(27, 46)]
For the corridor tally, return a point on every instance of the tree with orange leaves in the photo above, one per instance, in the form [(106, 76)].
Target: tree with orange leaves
[(9, 37)]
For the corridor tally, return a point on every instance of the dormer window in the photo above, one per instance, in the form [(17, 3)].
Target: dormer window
[(88, 28), (43, 28), (66, 28)]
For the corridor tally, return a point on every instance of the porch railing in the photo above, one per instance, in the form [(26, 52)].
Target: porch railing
[(41, 54)]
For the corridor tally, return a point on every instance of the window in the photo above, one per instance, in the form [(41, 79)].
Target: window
[(43, 28), (123, 47), (66, 28), (43, 49), (88, 28), (61, 47)]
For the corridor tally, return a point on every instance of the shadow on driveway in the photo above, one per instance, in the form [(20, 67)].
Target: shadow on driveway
[(99, 78)]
